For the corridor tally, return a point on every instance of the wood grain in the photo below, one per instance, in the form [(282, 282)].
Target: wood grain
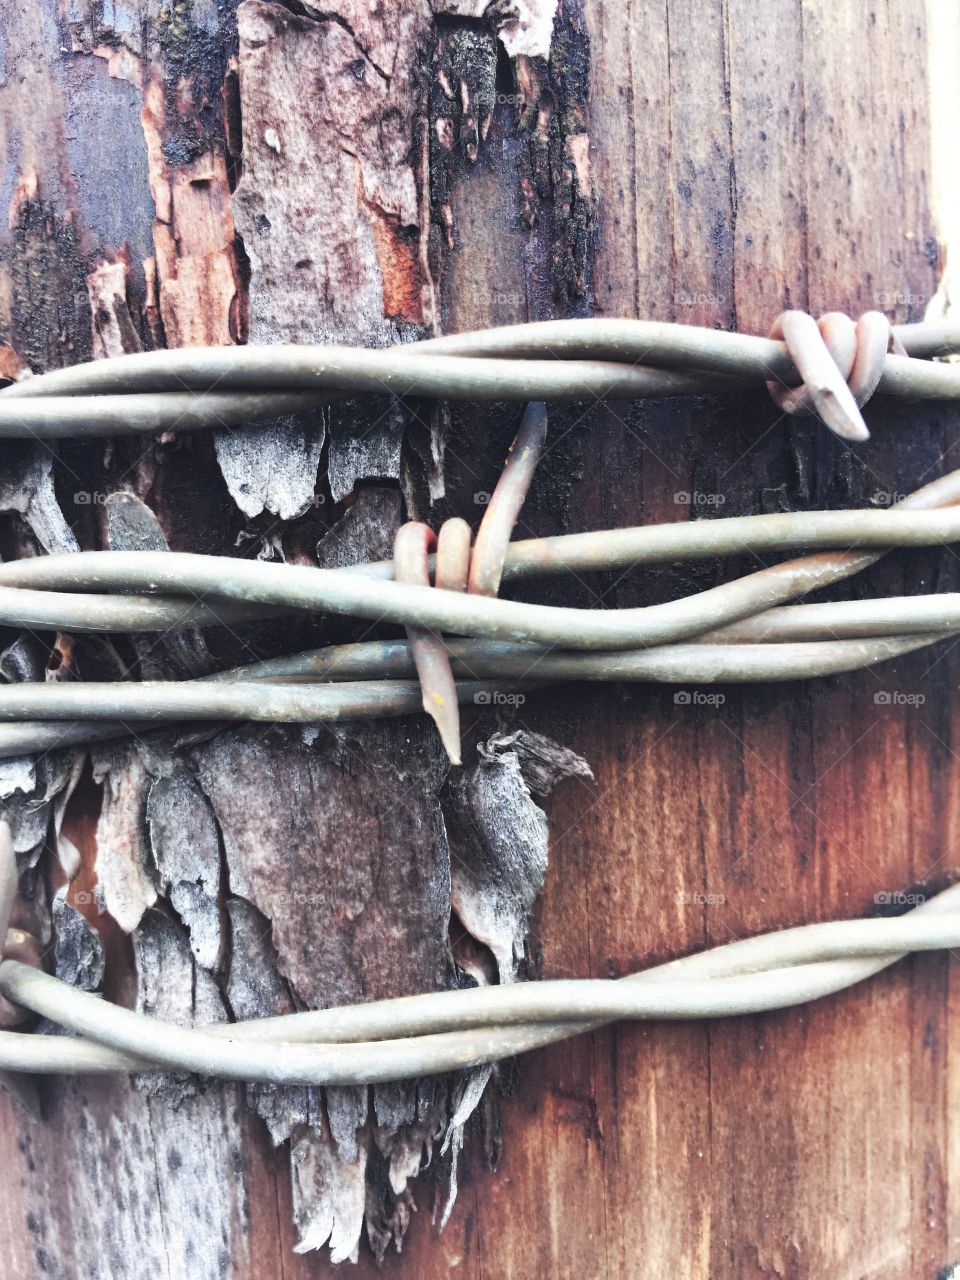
[(740, 163)]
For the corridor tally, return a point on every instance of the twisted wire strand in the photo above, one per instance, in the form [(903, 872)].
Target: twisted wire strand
[(91, 706), (193, 388), (451, 1030), (741, 630), (741, 637), (868, 528)]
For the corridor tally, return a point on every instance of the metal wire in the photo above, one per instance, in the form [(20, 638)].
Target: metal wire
[(740, 636), (738, 631), (193, 388), (452, 1030)]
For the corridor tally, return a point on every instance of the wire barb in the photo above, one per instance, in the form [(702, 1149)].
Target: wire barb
[(189, 389), (459, 569), (840, 366)]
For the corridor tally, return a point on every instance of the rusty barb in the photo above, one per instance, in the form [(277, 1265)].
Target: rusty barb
[(457, 568), (464, 642), (830, 367)]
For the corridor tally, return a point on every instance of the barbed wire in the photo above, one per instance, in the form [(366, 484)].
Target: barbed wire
[(464, 644), (831, 367), (744, 630), (443, 1031)]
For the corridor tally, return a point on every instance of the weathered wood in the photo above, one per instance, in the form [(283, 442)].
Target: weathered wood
[(367, 174)]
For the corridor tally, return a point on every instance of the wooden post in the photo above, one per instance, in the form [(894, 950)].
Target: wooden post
[(188, 173)]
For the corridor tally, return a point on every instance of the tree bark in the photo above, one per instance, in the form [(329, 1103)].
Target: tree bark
[(190, 173)]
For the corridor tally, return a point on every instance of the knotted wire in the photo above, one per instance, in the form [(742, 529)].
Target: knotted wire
[(743, 628), (193, 388)]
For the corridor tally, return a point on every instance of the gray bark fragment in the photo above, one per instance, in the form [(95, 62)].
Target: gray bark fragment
[(174, 989), (348, 924), (17, 774), (346, 1113), (543, 762), (499, 838), (132, 526), (78, 951), (125, 883), (26, 486), (282, 808), (33, 789), (273, 466), (31, 798), (186, 851), (329, 1197), (254, 989), (365, 441), (25, 659), (365, 532)]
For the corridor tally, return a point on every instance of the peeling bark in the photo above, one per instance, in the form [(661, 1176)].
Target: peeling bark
[(26, 487), (499, 837), (282, 185), (186, 851)]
